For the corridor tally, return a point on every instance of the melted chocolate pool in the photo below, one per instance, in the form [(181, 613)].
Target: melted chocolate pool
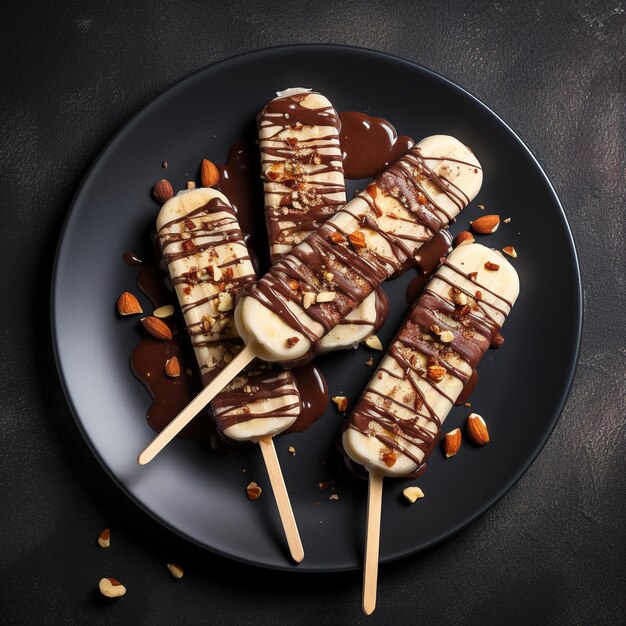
[(369, 144)]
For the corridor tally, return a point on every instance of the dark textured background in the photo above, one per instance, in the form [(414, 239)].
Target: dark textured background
[(551, 551)]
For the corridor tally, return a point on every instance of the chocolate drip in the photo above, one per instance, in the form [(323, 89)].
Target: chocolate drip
[(416, 348), (369, 144), (313, 396), (131, 259), (357, 268)]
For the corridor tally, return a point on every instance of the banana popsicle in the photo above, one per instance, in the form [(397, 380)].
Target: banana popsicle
[(209, 264), (397, 421), (303, 184), (376, 234)]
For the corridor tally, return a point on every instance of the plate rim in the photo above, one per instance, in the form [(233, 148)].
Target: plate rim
[(313, 47)]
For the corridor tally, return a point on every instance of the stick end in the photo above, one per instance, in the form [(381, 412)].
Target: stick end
[(297, 554), (144, 458), (369, 605)]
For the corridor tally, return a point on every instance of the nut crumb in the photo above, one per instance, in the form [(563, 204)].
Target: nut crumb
[(323, 485), (291, 450), (333, 496), (341, 402), (412, 494), (507, 220), (253, 491), (292, 341), (357, 239), (111, 588), (369, 362), (373, 342), (175, 570), (446, 336), (104, 539), (436, 373), (164, 311)]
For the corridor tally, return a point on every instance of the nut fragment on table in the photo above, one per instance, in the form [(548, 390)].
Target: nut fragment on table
[(253, 491), (412, 494), (373, 342), (341, 403), (111, 588), (104, 539), (175, 570), (164, 311), (464, 237)]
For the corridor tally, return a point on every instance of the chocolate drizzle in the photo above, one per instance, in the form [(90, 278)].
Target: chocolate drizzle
[(399, 207), (398, 406)]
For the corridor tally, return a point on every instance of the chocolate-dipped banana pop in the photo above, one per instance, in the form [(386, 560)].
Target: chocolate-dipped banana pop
[(303, 184), (209, 264), (397, 421)]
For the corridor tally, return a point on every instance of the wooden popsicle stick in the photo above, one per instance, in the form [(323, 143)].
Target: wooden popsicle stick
[(196, 405), (282, 498), (372, 541)]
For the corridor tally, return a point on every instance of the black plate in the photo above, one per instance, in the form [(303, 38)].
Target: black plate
[(522, 387)]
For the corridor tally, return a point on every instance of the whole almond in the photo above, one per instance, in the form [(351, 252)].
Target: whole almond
[(452, 442), (156, 327), (163, 191), (209, 174), (172, 367), (463, 237), (477, 429), (486, 224), (127, 304)]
